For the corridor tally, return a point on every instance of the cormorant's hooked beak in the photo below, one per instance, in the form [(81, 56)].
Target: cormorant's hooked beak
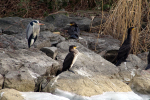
[(134, 28), (76, 47), (41, 24)]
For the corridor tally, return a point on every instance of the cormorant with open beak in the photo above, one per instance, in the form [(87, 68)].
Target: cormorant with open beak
[(74, 30), (32, 31), (125, 48)]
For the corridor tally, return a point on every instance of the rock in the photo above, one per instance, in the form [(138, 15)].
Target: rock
[(104, 43), (19, 41), (87, 60), (83, 23), (14, 33), (50, 51), (42, 44), (97, 21), (11, 25), (21, 80), (15, 25), (85, 85), (143, 56), (10, 94), (140, 83), (58, 20), (81, 40), (61, 21), (1, 81), (54, 38), (133, 62), (33, 59), (90, 75), (22, 68), (129, 69)]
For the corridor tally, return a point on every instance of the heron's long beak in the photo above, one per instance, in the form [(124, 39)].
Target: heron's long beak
[(41, 24), (70, 24)]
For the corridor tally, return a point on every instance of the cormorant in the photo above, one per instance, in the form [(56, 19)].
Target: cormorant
[(69, 59), (32, 31), (125, 48), (148, 60), (73, 30)]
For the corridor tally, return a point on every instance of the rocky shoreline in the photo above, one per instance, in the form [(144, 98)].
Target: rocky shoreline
[(34, 69)]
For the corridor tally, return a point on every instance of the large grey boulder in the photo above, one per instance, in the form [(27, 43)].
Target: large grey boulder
[(141, 82), (33, 59), (104, 43), (50, 51), (21, 80), (61, 21), (10, 94), (54, 38), (19, 41), (129, 69), (92, 75), (15, 25), (22, 68), (85, 84), (144, 56), (87, 60)]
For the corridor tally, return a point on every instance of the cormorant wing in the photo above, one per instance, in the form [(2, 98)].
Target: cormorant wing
[(68, 61), (73, 30), (29, 31), (124, 50), (77, 30)]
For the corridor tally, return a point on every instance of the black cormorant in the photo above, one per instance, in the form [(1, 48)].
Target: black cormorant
[(148, 60), (125, 48), (73, 30), (69, 59), (32, 31)]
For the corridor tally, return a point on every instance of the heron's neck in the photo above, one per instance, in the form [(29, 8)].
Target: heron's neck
[(36, 30)]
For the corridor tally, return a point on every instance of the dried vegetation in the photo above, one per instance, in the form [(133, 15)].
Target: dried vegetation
[(129, 13)]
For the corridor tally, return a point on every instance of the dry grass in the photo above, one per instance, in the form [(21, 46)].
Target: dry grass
[(129, 13)]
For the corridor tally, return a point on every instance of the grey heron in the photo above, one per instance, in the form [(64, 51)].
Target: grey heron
[(32, 31)]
